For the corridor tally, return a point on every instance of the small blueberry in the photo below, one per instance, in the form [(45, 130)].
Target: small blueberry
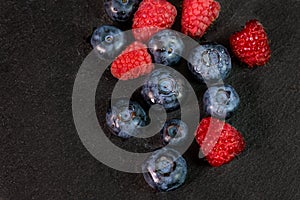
[(125, 119), (166, 47), (165, 170), (174, 132), (164, 88), (221, 101), (121, 10), (109, 41), (210, 63)]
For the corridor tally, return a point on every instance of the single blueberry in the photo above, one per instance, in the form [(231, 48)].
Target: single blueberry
[(221, 101), (210, 63), (109, 41), (125, 119), (165, 88), (174, 132), (165, 170), (166, 47), (121, 10)]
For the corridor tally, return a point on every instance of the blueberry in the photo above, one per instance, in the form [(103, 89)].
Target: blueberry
[(125, 119), (109, 41), (166, 47), (221, 101), (210, 63), (164, 88), (174, 132), (165, 170), (121, 10)]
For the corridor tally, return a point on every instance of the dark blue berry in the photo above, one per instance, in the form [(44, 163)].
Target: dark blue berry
[(174, 132), (164, 88), (109, 41), (166, 47), (210, 63), (221, 101), (165, 170), (125, 119), (121, 10)]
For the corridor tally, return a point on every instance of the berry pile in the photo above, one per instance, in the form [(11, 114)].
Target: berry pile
[(209, 63)]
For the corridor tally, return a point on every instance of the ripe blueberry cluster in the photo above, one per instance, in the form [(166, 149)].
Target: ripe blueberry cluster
[(209, 63)]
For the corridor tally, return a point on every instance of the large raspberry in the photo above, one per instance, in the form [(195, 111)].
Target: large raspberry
[(251, 44), (219, 141), (198, 15), (133, 62), (151, 17)]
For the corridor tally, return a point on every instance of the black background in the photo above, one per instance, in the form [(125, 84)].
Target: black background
[(43, 43)]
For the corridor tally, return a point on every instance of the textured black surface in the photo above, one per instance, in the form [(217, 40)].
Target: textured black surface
[(43, 43)]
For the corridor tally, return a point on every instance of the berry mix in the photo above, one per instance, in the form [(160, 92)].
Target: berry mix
[(155, 42)]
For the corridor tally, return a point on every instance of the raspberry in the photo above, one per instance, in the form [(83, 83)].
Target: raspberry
[(151, 17), (198, 15), (133, 62), (219, 141), (251, 44)]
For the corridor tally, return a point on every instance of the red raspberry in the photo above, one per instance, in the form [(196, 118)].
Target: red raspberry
[(251, 44), (219, 141), (133, 62), (198, 15), (151, 17)]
